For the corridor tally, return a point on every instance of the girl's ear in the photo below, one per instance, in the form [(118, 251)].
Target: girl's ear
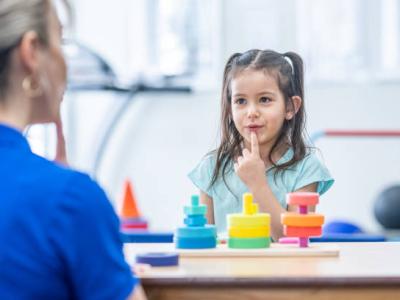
[(294, 107)]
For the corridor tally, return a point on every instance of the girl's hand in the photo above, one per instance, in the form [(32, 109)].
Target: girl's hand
[(250, 167), (61, 153)]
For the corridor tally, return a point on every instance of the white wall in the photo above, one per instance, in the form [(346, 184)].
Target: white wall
[(362, 167)]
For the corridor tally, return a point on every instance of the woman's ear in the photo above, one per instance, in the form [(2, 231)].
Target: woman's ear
[(294, 107), (29, 51)]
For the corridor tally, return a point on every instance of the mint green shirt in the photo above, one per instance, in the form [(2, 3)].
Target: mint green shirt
[(227, 197)]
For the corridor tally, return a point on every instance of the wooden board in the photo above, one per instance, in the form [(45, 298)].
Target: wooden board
[(276, 250)]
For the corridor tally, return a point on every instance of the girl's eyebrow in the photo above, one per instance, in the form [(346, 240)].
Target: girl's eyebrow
[(258, 94), (239, 95), (266, 92)]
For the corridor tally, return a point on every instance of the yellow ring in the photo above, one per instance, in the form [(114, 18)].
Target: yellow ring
[(249, 232), (241, 220)]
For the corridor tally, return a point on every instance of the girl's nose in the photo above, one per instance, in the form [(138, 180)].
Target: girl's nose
[(253, 111)]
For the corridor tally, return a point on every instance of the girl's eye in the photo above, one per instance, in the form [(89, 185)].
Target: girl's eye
[(240, 101), (265, 100)]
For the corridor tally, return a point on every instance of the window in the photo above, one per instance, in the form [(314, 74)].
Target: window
[(349, 40)]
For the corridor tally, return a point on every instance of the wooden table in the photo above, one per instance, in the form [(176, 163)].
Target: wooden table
[(361, 271)]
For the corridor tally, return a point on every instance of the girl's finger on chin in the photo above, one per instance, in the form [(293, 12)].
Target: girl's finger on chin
[(245, 152)]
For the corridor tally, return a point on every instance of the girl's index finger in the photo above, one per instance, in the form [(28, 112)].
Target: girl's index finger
[(254, 144)]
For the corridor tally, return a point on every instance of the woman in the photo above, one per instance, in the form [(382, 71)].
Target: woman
[(58, 232)]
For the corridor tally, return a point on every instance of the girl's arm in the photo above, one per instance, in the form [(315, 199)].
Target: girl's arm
[(207, 200), (251, 170), (268, 203)]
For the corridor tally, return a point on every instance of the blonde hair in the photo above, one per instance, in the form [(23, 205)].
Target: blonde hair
[(16, 18)]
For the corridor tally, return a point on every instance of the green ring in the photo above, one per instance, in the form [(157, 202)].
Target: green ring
[(249, 243)]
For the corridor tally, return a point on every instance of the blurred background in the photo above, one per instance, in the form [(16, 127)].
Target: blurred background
[(144, 91)]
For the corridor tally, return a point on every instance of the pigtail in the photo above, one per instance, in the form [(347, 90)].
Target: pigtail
[(297, 126), (298, 73)]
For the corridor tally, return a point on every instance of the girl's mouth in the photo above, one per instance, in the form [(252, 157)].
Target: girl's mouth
[(254, 128)]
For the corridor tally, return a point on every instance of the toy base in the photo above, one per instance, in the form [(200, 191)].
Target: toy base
[(275, 250)]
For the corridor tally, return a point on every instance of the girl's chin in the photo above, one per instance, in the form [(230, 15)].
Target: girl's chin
[(260, 138)]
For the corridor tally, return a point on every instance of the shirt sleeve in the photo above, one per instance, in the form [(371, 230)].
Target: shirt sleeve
[(312, 170), (85, 232), (201, 175)]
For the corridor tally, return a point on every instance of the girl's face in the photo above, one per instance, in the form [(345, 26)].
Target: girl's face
[(258, 106)]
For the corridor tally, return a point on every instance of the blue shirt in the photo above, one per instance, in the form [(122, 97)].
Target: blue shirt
[(227, 197), (58, 232)]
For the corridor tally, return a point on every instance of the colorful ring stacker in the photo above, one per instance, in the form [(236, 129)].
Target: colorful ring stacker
[(158, 259)]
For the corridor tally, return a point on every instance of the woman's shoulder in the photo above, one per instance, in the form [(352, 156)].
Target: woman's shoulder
[(54, 193), (55, 179)]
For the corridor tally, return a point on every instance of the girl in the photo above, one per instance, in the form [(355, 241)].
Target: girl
[(262, 148)]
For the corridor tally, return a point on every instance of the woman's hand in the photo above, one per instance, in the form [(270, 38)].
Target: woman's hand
[(140, 269), (250, 167), (61, 153)]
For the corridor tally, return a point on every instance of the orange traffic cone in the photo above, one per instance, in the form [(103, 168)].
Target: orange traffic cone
[(130, 215), (129, 207)]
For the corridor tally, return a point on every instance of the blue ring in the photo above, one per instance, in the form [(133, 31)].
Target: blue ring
[(195, 243), (196, 232), (159, 259), (195, 221)]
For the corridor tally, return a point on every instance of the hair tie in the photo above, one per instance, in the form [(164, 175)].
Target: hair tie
[(287, 58)]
